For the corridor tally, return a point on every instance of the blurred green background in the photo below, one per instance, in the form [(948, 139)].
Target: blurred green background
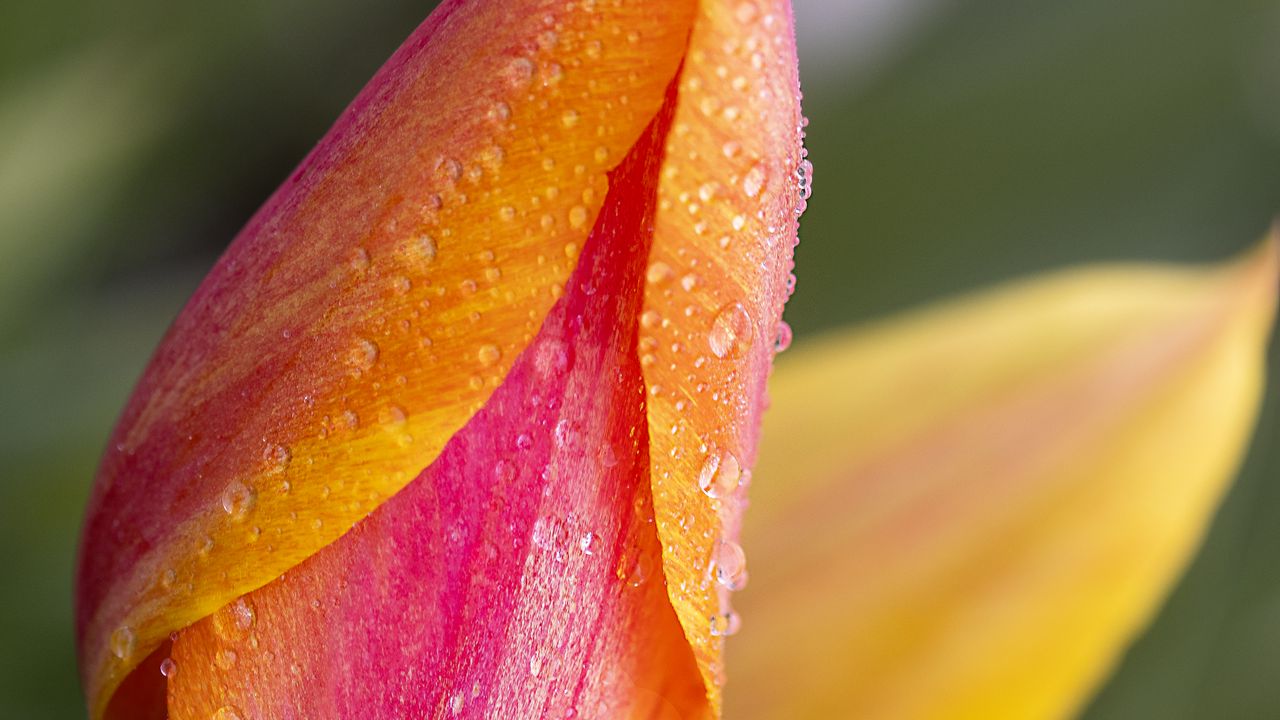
[(957, 143)]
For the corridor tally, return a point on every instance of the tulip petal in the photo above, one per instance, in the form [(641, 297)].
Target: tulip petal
[(719, 275), (366, 312), (518, 576), (970, 512)]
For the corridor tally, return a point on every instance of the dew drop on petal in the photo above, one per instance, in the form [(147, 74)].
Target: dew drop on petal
[(238, 499), (225, 658), (731, 565), (730, 331), (168, 667), (123, 641), (753, 181), (719, 475), (725, 624), (659, 273), (362, 356), (782, 337), (425, 246), (489, 354)]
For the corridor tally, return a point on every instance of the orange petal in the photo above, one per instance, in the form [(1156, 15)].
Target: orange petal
[(969, 512), (719, 275), (366, 312), (516, 577)]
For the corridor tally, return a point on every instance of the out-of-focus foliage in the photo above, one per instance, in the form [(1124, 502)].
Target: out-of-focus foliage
[(973, 140)]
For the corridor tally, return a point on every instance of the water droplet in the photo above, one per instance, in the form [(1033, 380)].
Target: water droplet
[(551, 358), (168, 667), (123, 641), (500, 112), (489, 354), (225, 658), (238, 499), (707, 191), (520, 72), (567, 436), (504, 472), (578, 216), (782, 336), (730, 331), (506, 212), (392, 416), (753, 181), (602, 154), (362, 356), (535, 664), (359, 259), (659, 273), (589, 543), (234, 621), (804, 173), (725, 624), (449, 169), (719, 475), (689, 282), (425, 246), (608, 456), (569, 118), (746, 12), (276, 457), (455, 703), (731, 565), (650, 319)]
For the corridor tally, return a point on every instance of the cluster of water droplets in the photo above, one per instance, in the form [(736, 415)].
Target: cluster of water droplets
[(699, 344)]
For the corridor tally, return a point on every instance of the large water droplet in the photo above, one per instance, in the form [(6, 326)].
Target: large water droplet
[(168, 667), (730, 331), (276, 457), (719, 475), (425, 246), (659, 273), (488, 354), (238, 499), (123, 641), (782, 336), (731, 565)]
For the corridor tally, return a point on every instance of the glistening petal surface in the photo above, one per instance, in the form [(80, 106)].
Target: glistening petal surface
[(366, 312), (718, 277), (968, 513), (518, 577)]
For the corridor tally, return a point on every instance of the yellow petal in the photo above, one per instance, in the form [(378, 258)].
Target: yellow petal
[(969, 512)]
